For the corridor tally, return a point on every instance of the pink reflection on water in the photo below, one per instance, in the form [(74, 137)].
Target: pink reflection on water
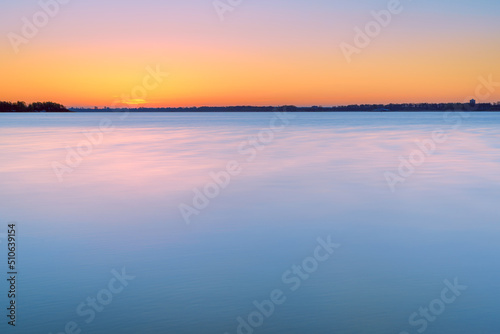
[(154, 166)]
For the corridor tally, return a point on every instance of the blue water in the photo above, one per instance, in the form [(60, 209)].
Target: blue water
[(315, 175)]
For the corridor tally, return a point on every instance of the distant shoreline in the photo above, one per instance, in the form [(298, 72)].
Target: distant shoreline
[(404, 107), (351, 108)]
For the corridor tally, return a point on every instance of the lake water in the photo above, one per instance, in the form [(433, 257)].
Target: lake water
[(410, 202)]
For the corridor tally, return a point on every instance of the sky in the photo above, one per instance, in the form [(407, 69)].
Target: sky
[(253, 52)]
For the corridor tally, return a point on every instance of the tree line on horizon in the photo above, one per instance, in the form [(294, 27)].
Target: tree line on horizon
[(33, 107), (56, 107), (355, 107)]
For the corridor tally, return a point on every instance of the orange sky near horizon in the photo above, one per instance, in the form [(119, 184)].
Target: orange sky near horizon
[(257, 56)]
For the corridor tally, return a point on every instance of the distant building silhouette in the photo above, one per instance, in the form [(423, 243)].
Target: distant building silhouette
[(473, 102)]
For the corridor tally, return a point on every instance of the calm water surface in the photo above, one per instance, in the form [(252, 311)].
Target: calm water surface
[(320, 176)]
